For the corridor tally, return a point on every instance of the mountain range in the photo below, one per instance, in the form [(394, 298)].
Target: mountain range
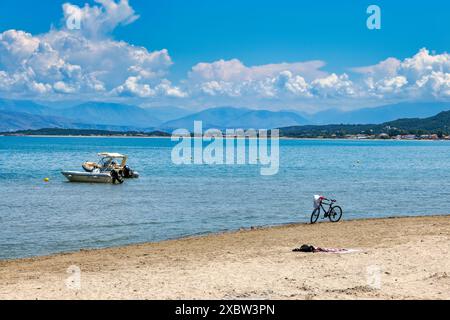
[(380, 114), (230, 117), (23, 115), (439, 124)]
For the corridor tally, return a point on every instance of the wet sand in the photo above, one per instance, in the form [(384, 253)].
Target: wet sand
[(398, 258)]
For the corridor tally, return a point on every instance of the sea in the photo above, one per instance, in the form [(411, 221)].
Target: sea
[(369, 179)]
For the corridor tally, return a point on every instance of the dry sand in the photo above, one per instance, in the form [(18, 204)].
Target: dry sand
[(401, 258)]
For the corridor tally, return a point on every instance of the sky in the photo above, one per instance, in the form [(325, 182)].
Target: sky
[(284, 54)]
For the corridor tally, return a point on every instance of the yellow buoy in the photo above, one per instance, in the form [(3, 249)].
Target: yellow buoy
[(46, 179)]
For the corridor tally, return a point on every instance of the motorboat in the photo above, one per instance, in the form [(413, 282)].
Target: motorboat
[(107, 170), (92, 177), (111, 161)]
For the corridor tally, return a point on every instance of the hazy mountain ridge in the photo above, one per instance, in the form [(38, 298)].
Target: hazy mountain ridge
[(24, 106), (10, 121), (22, 115), (439, 123), (13, 121), (109, 114), (231, 117), (380, 114)]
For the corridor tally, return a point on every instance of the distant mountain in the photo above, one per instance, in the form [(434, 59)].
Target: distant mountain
[(230, 117), (24, 106), (90, 115), (85, 132), (10, 121), (263, 119), (109, 114), (116, 116), (439, 124), (13, 121), (164, 114), (211, 118), (379, 114)]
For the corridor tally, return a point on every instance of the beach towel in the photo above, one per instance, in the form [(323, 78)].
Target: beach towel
[(334, 250), (310, 248)]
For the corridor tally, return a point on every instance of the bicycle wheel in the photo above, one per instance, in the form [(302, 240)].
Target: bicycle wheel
[(315, 215), (335, 214)]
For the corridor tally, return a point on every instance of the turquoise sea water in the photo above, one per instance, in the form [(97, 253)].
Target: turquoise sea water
[(369, 179)]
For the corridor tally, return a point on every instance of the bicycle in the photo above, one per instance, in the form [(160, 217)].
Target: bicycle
[(334, 213)]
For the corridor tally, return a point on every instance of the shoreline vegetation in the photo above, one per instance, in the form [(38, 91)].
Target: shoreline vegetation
[(256, 263), (433, 128), (75, 133)]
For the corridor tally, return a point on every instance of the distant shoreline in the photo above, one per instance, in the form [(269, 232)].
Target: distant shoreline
[(169, 137), (82, 136)]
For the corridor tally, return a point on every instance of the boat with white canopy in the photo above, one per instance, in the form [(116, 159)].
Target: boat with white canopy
[(111, 168)]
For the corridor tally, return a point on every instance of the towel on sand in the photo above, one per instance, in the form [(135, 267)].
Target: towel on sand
[(309, 248)]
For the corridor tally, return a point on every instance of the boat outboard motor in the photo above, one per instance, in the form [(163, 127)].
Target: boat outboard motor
[(127, 172), (116, 177)]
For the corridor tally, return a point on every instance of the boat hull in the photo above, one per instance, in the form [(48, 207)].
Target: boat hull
[(87, 177)]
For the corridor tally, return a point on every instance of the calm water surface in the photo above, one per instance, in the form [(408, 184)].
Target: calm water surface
[(369, 178)]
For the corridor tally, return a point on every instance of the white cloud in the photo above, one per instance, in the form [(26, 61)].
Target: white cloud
[(334, 85), (100, 20), (233, 79), (291, 84), (437, 84), (165, 88), (15, 46), (386, 68), (235, 70), (422, 76), (386, 86), (63, 87), (84, 62), (133, 87), (88, 63)]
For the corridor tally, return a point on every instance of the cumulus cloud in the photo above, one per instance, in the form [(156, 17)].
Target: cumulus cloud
[(95, 21), (289, 80), (424, 75), (235, 70), (334, 85), (296, 85), (85, 61), (386, 68)]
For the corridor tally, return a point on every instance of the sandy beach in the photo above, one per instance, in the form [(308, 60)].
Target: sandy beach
[(397, 258)]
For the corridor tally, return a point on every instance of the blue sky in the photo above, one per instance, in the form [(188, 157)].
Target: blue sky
[(244, 35)]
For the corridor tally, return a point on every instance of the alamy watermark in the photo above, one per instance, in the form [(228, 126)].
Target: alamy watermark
[(73, 281), (73, 21), (374, 20), (373, 277), (228, 147)]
